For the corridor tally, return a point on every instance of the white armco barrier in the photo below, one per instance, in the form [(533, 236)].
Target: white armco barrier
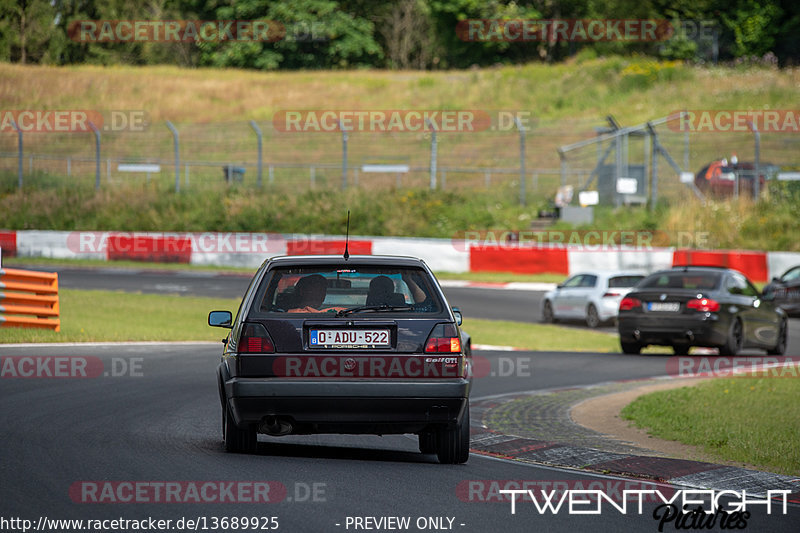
[(440, 254), (639, 260), (251, 249), (780, 262), (56, 245)]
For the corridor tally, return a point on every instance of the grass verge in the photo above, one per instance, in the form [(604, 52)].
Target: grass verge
[(95, 316), (538, 337), (744, 419)]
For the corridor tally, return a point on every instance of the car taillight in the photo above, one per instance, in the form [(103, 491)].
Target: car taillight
[(629, 303), (444, 339), (610, 294), (255, 339), (706, 305)]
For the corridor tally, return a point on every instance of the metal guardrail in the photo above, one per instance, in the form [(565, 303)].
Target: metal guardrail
[(34, 296)]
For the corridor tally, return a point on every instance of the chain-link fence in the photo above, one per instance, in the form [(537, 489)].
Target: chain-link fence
[(665, 158), (587, 154)]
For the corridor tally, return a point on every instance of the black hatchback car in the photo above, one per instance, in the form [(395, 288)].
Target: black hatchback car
[(700, 306), (364, 345)]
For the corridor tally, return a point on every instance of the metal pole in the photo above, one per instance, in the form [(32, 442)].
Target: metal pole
[(521, 160), (686, 148), (563, 157), (434, 153), (756, 162), (617, 168), (96, 155), (654, 171), (260, 154), (176, 142), (344, 155), (21, 153)]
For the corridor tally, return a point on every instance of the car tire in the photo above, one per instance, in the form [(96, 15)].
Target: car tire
[(631, 348), (592, 318), (547, 313), (238, 440), (427, 442), (780, 347), (735, 340), (681, 350), (452, 445)]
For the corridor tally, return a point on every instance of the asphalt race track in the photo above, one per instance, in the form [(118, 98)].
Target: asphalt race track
[(140, 437)]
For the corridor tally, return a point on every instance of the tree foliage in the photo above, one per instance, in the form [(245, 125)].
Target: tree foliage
[(402, 34)]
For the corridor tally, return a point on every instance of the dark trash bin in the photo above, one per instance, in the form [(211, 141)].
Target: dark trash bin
[(232, 173)]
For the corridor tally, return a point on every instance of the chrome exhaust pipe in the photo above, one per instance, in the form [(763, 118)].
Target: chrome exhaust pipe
[(637, 334), (689, 335), (272, 425)]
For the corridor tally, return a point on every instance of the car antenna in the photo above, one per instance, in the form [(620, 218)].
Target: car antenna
[(347, 238)]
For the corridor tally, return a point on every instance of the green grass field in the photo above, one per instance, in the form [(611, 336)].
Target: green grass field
[(97, 316), (746, 419), (211, 108)]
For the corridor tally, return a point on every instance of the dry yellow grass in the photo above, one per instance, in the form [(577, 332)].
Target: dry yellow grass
[(586, 90)]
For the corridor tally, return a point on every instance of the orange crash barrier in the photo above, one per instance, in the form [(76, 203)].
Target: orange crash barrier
[(29, 299)]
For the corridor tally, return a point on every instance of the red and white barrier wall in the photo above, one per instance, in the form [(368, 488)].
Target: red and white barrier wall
[(444, 255)]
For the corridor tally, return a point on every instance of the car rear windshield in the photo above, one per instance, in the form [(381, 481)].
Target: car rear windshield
[(682, 280), (619, 282), (348, 291)]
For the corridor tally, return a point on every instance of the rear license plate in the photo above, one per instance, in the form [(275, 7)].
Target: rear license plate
[(670, 307), (348, 338)]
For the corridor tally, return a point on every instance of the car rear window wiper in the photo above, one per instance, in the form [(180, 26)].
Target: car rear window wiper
[(376, 308)]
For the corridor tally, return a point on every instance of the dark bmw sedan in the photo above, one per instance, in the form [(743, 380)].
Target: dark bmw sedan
[(363, 345), (700, 306), (786, 291)]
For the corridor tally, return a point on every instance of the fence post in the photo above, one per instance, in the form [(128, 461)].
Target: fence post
[(176, 142), (21, 153), (260, 163), (757, 178), (434, 153), (96, 156), (654, 171), (521, 160), (344, 155), (563, 166)]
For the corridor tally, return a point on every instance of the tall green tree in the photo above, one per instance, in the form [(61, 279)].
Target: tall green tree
[(27, 26)]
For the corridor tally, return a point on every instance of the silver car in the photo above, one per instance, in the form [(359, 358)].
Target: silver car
[(590, 296)]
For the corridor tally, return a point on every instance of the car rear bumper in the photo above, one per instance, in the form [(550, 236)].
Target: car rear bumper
[(358, 406), (701, 330)]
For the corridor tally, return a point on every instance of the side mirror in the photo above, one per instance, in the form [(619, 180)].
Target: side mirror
[(220, 319), (560, 286), (457, 314)]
